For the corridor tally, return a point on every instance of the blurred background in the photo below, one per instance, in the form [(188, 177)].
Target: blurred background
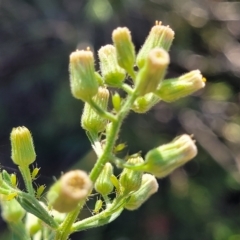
[(197, 202)]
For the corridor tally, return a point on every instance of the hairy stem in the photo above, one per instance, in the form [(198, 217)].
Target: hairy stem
[(65, 229)]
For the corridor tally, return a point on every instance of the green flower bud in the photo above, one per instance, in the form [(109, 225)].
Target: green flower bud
[(125, 49), (145, 103), (165, 159), (90, 120), (113, 75), (149, 186), (130, 180), (83, 81), (23, 153), (12, 211), (159, 36), (69, 190), (172, 89), (103, 184), (153, 71), (116, 101)]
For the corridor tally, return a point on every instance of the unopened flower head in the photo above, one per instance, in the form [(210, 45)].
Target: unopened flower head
[(103, 184), (130, 180), (148, 187), (153, 71), (69, 190), (23, 153), (112, 73), (165, 159), (90, 120), (122, 40), (172, 89), (83, 82), (159, 36)]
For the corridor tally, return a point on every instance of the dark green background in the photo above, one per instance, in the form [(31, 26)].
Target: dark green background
[(197, 202)]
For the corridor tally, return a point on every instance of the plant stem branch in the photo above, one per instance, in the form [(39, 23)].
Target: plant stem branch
[(101, 112), (26, 174), (65, 229)]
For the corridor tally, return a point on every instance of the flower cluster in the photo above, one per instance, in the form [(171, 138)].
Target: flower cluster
[(55, 216)]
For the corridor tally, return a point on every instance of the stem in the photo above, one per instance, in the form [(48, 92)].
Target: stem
[(111, 138), (106, 200), (127, 88), (132, 74), (115, 206), (26, 174), (65, 229), (101, 112)]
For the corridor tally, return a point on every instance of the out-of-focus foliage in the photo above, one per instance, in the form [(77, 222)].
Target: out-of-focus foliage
[(200, 201)]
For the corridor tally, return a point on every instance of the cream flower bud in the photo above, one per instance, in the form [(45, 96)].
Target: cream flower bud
[(112, 73), (149, 186), (153, 71), (69, 190), (165, 159), (159, 36), (103, 184), (130, 180), (23, 153), (90, 120), (125, 49), (83, 82), (172, 89)]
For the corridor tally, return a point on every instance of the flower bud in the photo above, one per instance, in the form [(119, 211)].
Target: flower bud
[(104, 184), (172, 89), (149, 186), (83, 81), (130, 180), (116, 101), (12, 211), (69, 190), (23, 153), (145, 103), (159, 36), (165, 159), (113, 75), (90, 120), (125, 49), (153, 71)]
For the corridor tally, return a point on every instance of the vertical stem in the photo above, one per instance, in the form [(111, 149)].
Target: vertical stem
[(111, 138), (26, 174), (65, 229)]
